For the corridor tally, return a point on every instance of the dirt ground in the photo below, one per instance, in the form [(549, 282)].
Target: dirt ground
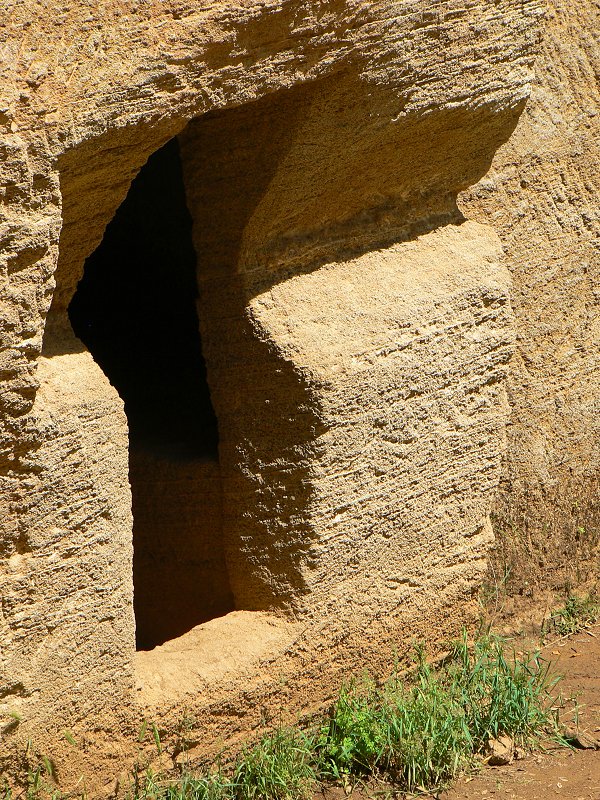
[(559, 772)]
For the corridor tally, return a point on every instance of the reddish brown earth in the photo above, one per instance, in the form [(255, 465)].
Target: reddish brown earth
[(559, 772), (572, 774)]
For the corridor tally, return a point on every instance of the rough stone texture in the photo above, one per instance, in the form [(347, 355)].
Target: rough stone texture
[(541, 196), (66, 610), (356, 328)]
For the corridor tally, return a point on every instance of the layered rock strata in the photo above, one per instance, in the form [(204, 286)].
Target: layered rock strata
[(356, 329)]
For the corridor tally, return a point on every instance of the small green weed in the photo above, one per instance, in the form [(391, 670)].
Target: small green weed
[(352, 740), (577, 614)]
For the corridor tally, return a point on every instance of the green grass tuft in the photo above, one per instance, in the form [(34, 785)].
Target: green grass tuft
[(422, 734), (213, 785), (280, 767), (502, 694)]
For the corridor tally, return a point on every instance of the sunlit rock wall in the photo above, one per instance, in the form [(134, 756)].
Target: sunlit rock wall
[(357, 331)]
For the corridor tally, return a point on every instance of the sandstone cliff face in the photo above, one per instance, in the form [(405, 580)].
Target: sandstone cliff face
[(541, 196), (356, 331)]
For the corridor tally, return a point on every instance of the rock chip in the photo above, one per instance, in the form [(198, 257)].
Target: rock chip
[(500, 752)]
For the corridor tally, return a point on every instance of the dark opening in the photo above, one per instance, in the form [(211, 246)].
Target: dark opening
[(135, 310)]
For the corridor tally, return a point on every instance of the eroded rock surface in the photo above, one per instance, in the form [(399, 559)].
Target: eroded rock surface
[(356, 327), (541, 196)]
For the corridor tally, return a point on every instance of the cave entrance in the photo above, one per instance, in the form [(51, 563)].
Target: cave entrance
[(135, 310)]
